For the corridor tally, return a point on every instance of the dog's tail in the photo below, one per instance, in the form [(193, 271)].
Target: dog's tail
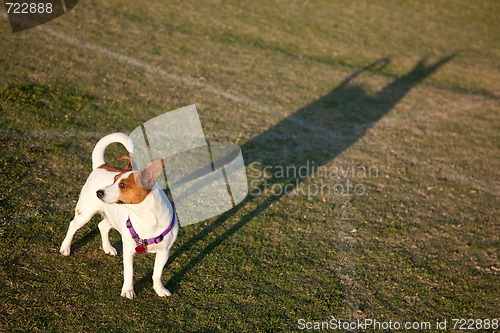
[(100, 147)]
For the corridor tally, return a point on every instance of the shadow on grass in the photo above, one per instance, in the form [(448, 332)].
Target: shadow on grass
[(317, 133), (82, 242)]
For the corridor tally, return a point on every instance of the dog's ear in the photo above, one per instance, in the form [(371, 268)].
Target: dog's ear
[(151, 172), (127, 158)]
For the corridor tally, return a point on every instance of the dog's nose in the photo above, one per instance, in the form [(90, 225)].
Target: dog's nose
[(100, 194)]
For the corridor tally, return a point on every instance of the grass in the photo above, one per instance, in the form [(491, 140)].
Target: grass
[(421, 243)]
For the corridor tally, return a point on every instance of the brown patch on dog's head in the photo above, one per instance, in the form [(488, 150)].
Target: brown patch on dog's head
[(130, 191), (134, 187)]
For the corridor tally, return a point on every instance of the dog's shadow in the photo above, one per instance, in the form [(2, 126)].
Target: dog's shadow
[(79, 244), (317, 132)]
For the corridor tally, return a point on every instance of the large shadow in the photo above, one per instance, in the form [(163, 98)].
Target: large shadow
[(316, 133)]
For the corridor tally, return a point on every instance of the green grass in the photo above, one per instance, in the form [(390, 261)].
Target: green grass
[(420, 244)]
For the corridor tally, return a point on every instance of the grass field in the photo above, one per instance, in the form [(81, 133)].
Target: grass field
[(391, 107)]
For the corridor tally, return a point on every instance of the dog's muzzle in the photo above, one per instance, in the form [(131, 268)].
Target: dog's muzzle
[(101, 194)]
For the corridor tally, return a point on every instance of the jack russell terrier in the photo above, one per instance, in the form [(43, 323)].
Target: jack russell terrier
[(131, 202)]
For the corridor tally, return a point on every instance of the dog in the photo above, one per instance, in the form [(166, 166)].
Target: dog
[(131, 202)]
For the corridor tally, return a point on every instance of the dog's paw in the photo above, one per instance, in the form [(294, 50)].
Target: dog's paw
[(110, 250), (162, 291), (65, 251), (129, 293)]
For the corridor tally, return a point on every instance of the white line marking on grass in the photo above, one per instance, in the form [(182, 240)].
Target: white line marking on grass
[(51, 134), (315, 129), (186, 80)]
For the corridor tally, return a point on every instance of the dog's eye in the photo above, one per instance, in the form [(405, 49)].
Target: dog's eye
[(123, 185)]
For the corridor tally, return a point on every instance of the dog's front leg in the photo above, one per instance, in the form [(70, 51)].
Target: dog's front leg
[(128, 272), (160, 261)]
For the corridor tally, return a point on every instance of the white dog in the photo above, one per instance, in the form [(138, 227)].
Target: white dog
[(131, 202)]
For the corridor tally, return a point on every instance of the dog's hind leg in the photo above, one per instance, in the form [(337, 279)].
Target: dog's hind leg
[(104, 228), (81, 218)]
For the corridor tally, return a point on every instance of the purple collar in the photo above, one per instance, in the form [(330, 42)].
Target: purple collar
[(142, 244)]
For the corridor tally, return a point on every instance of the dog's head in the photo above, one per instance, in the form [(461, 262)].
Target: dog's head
[(132, 187)]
